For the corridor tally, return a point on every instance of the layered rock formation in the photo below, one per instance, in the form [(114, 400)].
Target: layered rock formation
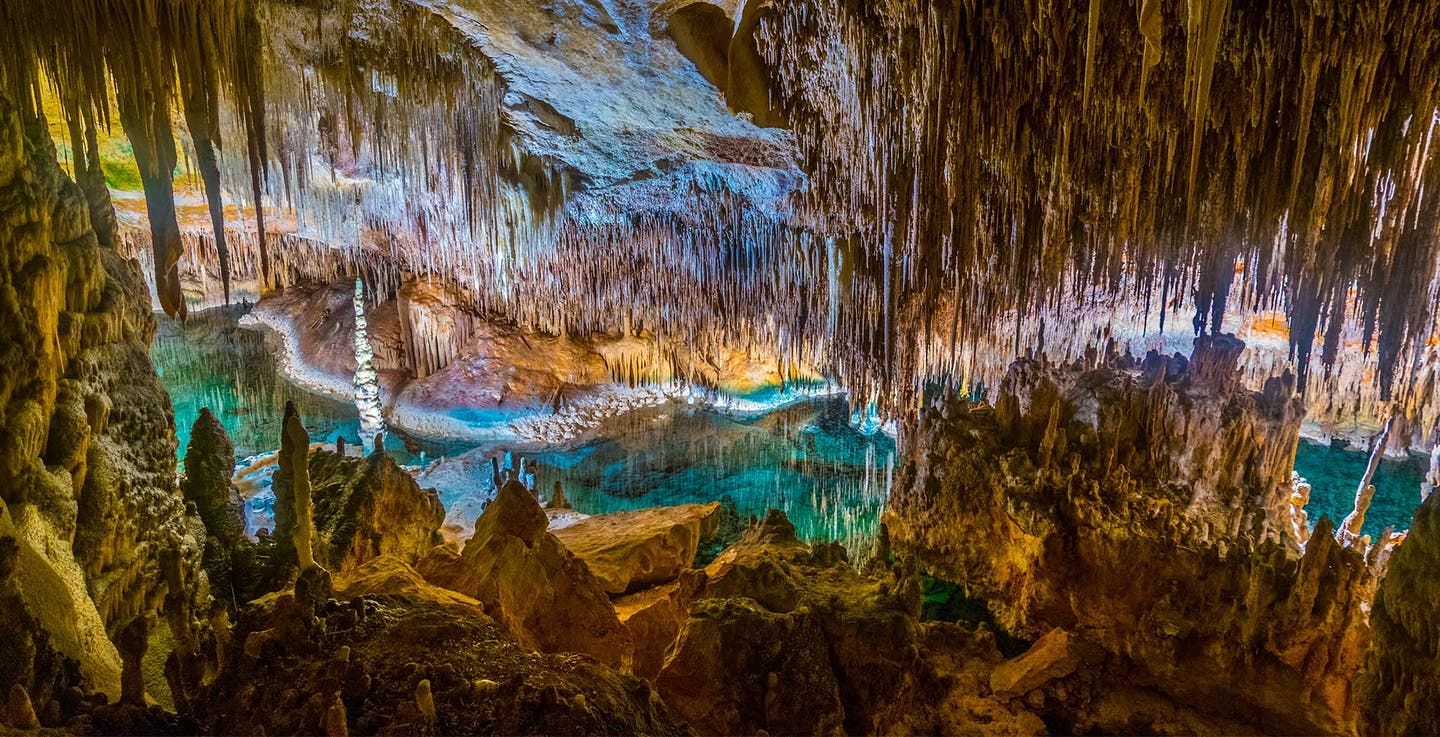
[(87, 449), (1145, 511), (524, 576), (632, 550)]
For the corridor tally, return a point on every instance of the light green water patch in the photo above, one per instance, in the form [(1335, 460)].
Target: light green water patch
[(210, 361), (804, 459), (1335, 470)]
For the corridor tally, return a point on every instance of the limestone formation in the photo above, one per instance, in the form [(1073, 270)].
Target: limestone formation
[(634, 549), (209, 463), (1124, 510), (654, 617), (1400, 685), (411, 658), (87, 455), (788, 639), (529, 582), (368, 507)]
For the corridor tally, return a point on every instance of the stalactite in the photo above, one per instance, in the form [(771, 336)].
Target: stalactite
[(151, 54), (971, 113), (1019, 167)]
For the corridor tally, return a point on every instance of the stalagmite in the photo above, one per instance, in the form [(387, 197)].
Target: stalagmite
[(1432, 475), (1349, 530), (19, 712), (295, 444), (367, 385)]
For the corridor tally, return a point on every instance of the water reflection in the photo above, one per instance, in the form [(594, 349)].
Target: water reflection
[(804, 458), (1334, 471), (209, 361)]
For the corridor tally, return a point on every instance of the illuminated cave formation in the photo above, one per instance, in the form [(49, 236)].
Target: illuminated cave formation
[(806, 365)]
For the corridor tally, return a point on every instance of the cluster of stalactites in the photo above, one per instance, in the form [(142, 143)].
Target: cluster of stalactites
[(154, 56), (1006, 158), (386, 119)]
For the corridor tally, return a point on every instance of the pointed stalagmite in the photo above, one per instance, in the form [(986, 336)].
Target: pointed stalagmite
[(19, 712), (294, 455)]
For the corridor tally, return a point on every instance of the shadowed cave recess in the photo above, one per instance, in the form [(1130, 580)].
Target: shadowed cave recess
[(719, 367)]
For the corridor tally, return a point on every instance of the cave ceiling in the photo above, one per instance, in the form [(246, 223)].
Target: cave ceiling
[(896, 191)]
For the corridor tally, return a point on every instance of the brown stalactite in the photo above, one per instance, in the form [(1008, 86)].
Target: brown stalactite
[(145, 115)]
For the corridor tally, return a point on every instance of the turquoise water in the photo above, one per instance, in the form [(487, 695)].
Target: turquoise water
[(805, 459), (1335, 470), (210, 361)]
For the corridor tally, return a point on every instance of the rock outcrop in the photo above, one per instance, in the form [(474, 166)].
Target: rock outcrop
[(88, 497), (530, 583), (1400, 686), (789, 639), (406, 657), (1146, 513), (654, 617), (368, 507), (630, 550)]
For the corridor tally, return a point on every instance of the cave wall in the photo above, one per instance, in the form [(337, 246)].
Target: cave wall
[(88, 495), (1400, 687)]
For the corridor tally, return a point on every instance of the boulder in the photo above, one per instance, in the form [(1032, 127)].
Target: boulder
[(1055, 655), (390, 575), (654, 617), (530, 583), (633, 549)]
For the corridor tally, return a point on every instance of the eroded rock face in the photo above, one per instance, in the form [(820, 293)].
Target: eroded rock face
[(632, 549), (87, 448), (400, 656), (654, 617), (790, 639), (529, 582), (1400, 688), (368, 507), (1146, 514)]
